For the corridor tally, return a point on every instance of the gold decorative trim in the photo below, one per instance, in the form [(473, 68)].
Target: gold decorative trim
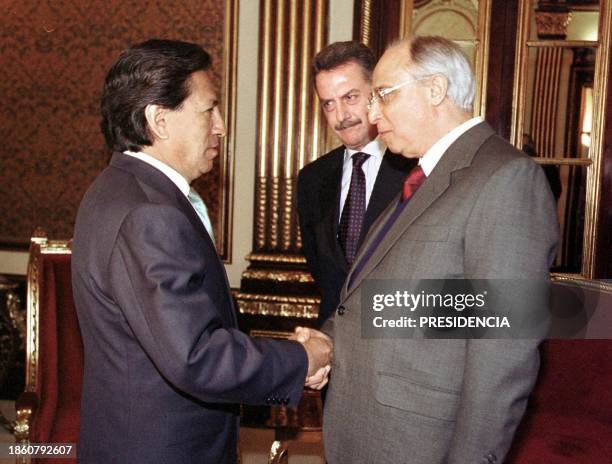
[(548, 66), (40, 245), (226, 168), (261, 193), (600, 86), (278, 275), (562, 43), (270, 334), (319, 128), (265, 63), (22, 425), (276, 258), (277, 93), (480, 43), (277, 305), (17, 316), (552, 23), (289, 118), (306, 93), (365, 28), (577, 279), (273, 216), (32, 318), (405, 26), (288, 214), (564, 161), (520, 73), (482, 55), (593, 187)]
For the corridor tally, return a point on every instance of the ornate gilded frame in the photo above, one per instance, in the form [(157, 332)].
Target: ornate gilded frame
[(594, 162), (28, 402), (226, 172), (367, 27)]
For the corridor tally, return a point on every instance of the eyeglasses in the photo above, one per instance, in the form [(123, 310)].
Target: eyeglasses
[(379, 95)]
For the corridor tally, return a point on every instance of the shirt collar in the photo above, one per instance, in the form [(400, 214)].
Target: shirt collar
[(171, 173), (374, 148), (431, 157)]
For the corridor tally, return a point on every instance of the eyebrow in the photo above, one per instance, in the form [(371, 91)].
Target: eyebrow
[(209, 106), (351, 91)]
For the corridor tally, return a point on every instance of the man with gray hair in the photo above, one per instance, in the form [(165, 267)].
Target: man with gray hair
[(474, 208)]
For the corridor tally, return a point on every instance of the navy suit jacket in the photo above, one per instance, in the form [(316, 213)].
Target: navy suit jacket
[(165, 364), (319, 187)]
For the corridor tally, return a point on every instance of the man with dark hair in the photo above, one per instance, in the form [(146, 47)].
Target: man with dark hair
[(342, 192), (165, 364)]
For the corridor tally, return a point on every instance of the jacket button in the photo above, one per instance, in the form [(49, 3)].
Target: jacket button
[(341, 310)]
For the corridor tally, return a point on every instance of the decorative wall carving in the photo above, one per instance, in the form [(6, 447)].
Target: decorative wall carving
[(552, 24)]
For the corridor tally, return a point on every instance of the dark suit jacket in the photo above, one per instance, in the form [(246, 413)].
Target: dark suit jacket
[(319, 187), (485, 212), (165, 363)]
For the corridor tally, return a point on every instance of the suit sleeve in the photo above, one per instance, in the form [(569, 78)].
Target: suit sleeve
[(512, 233), (173, 293), (307, 226)]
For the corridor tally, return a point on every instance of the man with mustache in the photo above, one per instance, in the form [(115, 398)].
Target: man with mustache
[(342, 192), (474, 208)]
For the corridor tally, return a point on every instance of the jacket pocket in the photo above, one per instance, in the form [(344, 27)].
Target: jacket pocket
[(401, 393)]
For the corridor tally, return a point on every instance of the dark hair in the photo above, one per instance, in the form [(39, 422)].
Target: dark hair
[(155, 72), (339, 53)]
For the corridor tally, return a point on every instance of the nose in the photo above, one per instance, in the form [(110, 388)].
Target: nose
[(374, 112), (218, 128), (342, 112)]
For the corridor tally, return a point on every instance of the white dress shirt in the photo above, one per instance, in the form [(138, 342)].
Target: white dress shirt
[(177, 179), (376, 149), (431, 157)]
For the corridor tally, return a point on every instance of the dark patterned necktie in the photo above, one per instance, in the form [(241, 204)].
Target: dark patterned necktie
[(354, 209), (413, 181)]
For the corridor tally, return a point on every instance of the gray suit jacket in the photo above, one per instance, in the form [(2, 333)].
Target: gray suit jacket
[(165, 363), (486, 211)]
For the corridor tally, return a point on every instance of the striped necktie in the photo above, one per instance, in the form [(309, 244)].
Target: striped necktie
[(198, 204)]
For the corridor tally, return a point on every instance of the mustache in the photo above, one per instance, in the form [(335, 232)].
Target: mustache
[(346, 124)]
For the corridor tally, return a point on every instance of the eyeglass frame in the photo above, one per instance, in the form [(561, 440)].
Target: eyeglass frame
[(377, 96)]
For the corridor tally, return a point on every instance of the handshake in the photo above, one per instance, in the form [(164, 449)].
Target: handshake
[(319, 349)]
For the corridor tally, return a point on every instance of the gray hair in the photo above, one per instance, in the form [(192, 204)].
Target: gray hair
[(436, 55)]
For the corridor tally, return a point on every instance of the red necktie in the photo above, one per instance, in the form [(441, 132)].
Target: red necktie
[(413, 181)]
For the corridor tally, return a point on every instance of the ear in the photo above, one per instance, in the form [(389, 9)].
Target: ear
[(157, 120), (438, 89)]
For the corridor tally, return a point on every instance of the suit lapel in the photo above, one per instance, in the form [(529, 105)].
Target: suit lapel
[(391, 175), (458, 156), (170, 192), (158, 181)]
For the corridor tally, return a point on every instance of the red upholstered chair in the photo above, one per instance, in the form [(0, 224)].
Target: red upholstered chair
[(569, 416), (48, 410)]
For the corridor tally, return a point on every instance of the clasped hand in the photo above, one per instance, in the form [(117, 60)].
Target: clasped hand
[(319, 349)]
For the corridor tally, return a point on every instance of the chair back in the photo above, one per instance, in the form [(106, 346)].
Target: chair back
[(49, 409)]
